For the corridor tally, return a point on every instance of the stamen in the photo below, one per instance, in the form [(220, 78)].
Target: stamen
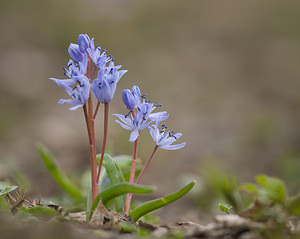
[(138, 109), (128, 114), (158, 105), (112, 82), (70, 64), (143, 96)]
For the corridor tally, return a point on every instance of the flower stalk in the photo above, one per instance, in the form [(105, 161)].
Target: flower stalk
[(146, 165), (106, 110), (132, 174)]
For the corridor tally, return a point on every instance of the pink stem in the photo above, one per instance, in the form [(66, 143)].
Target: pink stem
[(90, 128), (132, 174), (96, 110), (148, 161), (106, 109), (88, 114)]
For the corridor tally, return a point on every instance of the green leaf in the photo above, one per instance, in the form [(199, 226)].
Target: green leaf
[(127, 227), (293, 205), (61, 179), (273, 189), (113, 174), (249, 187), (113, 191), (123, 160), (39, 211), (4, 190), (160, 202), (225, 207)]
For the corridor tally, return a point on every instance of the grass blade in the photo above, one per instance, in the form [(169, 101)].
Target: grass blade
[(61, 179), (116, 190), (160, 202)]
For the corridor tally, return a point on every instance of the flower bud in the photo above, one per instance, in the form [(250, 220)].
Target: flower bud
[(75, 53), (136, 91), (83, 42), (128, 99)]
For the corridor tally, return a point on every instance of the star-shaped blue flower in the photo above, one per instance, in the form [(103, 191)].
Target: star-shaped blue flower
[(164, 140), (140, 120), (80, 93)]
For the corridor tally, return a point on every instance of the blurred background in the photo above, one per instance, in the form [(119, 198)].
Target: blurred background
[(226, 71)]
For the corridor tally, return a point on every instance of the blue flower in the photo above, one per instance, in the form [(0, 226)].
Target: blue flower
[(76, 69), (132, 99), (140, 120), (128, 99), (75, 53), (84, 42), (164, 140), (80, 93), (99, 59), (104, 86), (134, 124)]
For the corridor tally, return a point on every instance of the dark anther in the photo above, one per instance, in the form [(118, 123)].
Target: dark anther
[(112, 82), (138, 109), (74, 88), (70, 64), (73, 95), (174, 136), (162, 131), (128, 114), (143, 96), (158, 105), (111, 70)]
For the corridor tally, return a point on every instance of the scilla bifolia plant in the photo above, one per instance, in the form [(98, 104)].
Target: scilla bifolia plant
[(82, 85)]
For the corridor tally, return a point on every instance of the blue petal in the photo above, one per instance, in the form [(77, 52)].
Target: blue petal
[(124, 125), (152, 133), (63, 82), (174, 147), (134, 135)]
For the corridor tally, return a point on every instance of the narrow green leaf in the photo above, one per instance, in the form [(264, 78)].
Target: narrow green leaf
[(225, 207), (127, 227), (160, 202), (4, 190), (113, 174), (116, 190), (61, 179)]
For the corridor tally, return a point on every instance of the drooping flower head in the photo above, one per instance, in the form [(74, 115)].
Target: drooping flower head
[(164, 139), (104, 86)]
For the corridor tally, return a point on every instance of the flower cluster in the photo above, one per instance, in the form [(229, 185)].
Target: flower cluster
[(141, 116), (80, 85), (80, 82)]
